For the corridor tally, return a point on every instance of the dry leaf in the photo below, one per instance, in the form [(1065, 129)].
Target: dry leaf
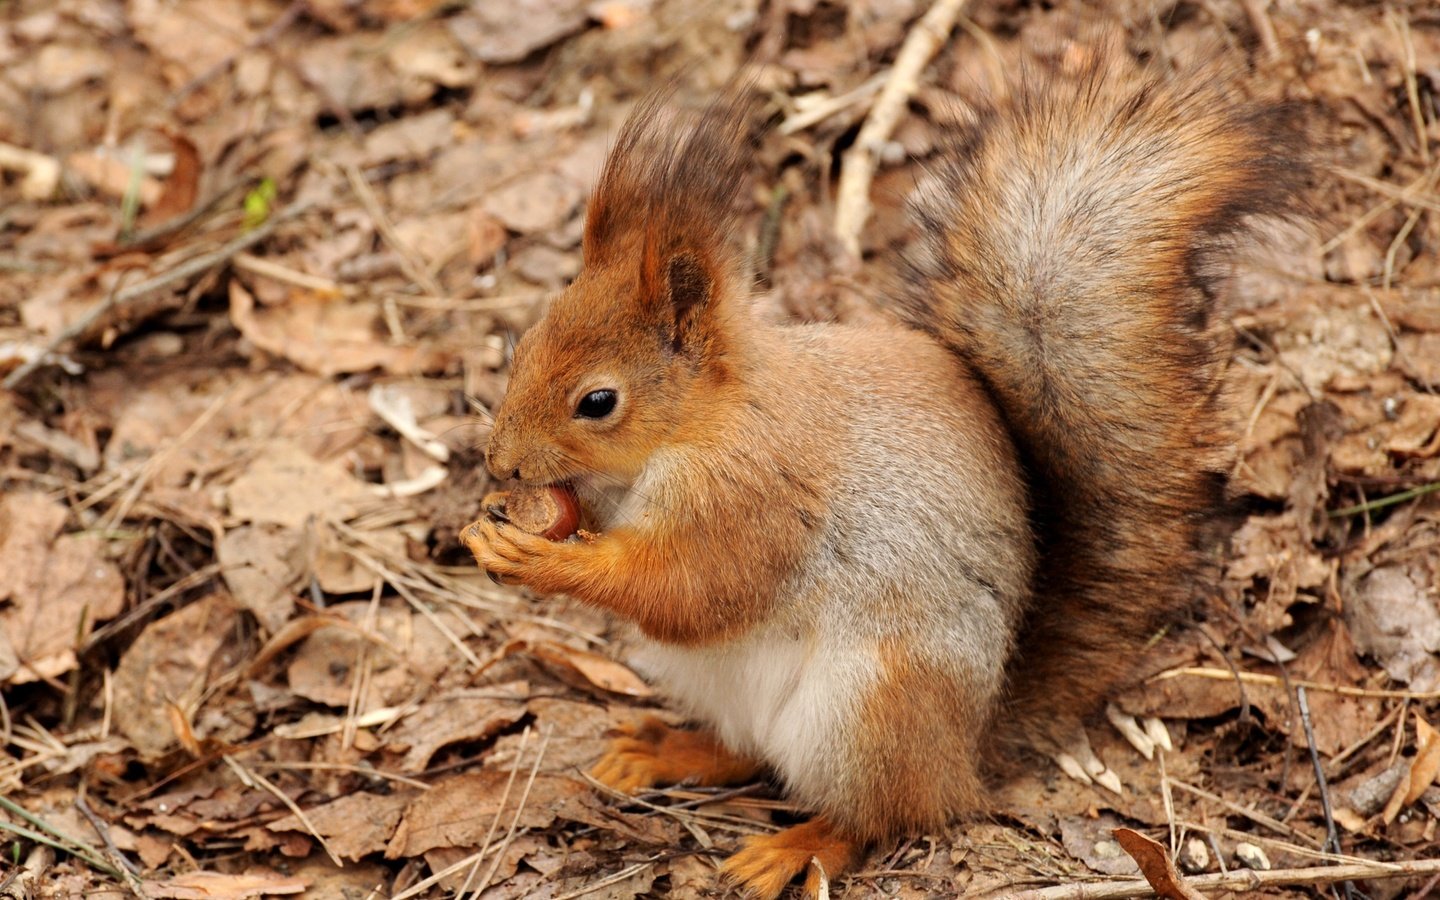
[(509, 32), (428, 52), (114, 175), (328, 336), (182, 187), (193, 35), (458, 811), (533, 203), (356, 825), (446, 720), (169, 663), (259, 564), (54, 588), (1426, 765), (286, 486), (1156, 865), (416, 650), (220, 886), (1395, 618), (593, 668)]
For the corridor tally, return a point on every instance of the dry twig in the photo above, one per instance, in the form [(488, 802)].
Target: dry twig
[(852, 201), (196, 265), (1238, 880), (1274, 681)]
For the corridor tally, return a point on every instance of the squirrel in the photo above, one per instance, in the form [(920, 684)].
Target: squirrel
[(859, 557)]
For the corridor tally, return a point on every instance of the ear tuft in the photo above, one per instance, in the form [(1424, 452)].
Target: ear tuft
[(689, 288)]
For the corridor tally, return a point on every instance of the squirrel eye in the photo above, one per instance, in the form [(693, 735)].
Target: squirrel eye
[(596, 404)]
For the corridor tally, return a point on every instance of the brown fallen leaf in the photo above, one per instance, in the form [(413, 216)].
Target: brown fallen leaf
[(298, 629), (1155, 865), (533, 203), (592, 668), (113, 175), (180, 190), (355, 825), (54, 588), (259, 564), (411, 650), (286, 486), (1427, 760), (220, 886), (509, 32), (1394, 620), (328, 337), (446, 720), (1421, 773), (458, 811), (168, 664)]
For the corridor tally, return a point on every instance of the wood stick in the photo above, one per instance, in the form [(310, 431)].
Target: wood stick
[(852, 203), (196, 265), (1239, 879)]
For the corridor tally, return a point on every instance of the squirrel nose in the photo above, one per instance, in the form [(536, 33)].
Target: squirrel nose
[(502, 464)]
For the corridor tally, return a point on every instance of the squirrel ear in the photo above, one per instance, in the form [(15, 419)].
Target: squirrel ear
[(689, 288)]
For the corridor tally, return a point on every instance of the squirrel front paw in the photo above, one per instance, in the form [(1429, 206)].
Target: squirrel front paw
[(651, 753), (506, 551)]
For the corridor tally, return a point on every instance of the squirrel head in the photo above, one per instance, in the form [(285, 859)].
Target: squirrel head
[(641, 345)]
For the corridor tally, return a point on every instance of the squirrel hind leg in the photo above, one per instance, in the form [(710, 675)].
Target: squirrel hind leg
[(766, 863), (651, 753)]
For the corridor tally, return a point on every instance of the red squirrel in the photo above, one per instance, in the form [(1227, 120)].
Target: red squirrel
[(854, 552)]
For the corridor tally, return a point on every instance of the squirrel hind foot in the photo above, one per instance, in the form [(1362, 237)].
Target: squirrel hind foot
[(1067, 744), (650, 753), (1077, 759), (766, 863)]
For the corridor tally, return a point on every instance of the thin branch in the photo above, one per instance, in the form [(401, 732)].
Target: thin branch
[(852, 203), (196, 265), (1240, 879), (1272, 681)]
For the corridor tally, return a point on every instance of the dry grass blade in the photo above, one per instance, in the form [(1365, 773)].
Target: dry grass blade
[(495, 821), (51, 836), (1257, 817), (687, 817), (409, 262), (515, 820), (250, 777)]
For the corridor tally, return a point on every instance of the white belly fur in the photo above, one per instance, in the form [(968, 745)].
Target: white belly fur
[(784, 699)]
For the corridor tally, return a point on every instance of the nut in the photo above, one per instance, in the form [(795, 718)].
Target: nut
[(548, 510)]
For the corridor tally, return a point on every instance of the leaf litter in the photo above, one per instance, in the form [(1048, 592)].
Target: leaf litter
[(262, 261)]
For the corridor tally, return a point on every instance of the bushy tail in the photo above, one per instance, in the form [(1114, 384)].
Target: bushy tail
[(1074, 238)]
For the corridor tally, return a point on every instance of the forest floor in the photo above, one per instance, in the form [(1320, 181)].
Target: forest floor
[(259, 264)]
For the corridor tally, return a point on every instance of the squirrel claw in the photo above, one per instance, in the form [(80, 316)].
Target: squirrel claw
[(1130, 729), (1079, 761)]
